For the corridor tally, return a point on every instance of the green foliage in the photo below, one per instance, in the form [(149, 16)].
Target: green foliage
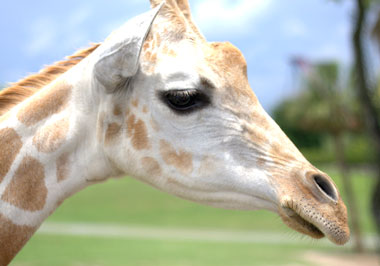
[(368, 3), (326, 106), (358, 150), (302, 138), (329, 104)]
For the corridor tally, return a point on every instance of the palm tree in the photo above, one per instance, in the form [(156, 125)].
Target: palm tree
[(325, 105)]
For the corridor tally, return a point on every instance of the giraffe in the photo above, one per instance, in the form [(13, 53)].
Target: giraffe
[(157, 102)]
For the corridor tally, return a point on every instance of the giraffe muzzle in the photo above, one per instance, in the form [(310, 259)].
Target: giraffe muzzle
[(316, 209)]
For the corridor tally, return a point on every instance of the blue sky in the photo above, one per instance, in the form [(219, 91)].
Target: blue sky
[(268, 32)]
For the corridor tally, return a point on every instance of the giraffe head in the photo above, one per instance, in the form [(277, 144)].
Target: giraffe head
[(177, 112)]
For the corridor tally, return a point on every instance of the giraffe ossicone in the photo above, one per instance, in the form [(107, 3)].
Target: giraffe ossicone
[(155, 101)]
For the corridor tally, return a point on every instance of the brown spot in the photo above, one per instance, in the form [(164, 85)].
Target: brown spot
[(148, 40), (181, 160), (130, 124), (140, 137), (12, 238), (151, 166), (153, 57), (158, 40), (145, 109), (112, 132), (138, 132), (207, 165), (116, 110), (100, 126), (172, 53), (146, 45), (127, 111), (135, 103), (27, 189), (261, 162), (49, 102), (165, 49), (147, 55), (63, 167), (10, 144), (49, 138)]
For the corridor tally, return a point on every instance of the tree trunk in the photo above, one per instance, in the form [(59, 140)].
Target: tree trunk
[(350, 197), (369, 110)]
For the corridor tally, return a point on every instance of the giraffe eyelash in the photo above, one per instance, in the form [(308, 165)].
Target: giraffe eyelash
[(184, 100)]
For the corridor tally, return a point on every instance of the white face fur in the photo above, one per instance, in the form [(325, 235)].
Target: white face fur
[(187, 122), (202, 153)]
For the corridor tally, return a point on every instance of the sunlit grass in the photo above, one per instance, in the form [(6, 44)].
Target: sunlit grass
[(128, 201), (64, 250)]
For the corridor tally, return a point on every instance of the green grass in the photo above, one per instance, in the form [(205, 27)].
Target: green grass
[(358, 150), (127, 201), (362, 182), (64, 250)]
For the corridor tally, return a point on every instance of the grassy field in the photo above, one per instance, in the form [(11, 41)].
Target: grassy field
[(129, 202), (51, 250)]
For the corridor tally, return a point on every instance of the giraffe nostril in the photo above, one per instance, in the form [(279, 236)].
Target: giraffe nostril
[(325, 186)]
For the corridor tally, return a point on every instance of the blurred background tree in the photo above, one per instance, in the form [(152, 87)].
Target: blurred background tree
[(344, 111), (325, 108), (366, 90)]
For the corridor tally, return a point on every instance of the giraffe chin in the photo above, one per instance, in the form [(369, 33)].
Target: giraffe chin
[(295, 221), (299, 221)]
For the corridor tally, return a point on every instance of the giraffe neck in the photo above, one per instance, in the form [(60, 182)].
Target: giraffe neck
[(48, 152)]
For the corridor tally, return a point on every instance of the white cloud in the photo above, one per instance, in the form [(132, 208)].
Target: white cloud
[(226, 15), (343, 29), (294, 28), (79, 16), (46, 33), (332, 51), (42, 36), (76, 28)]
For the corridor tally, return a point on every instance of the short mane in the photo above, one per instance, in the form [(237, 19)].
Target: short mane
[(22, 89)]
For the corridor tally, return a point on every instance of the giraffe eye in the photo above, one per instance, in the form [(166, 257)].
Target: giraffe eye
[(181, 99), (184, 100)]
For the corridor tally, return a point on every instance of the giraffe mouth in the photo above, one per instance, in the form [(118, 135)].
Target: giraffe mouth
[(300, 223)]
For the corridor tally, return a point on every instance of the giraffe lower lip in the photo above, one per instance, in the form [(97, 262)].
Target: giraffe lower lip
[(310, 229)]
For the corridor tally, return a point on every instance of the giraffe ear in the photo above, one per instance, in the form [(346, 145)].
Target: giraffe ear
[(118, 57)]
